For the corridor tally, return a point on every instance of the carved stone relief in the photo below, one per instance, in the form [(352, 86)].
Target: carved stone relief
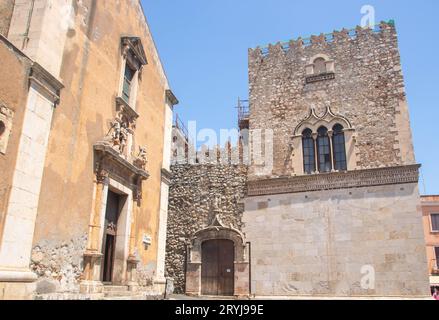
[(6, 116)]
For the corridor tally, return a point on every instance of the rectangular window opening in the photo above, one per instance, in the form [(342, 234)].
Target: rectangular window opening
[(128, 79), (434, 222)]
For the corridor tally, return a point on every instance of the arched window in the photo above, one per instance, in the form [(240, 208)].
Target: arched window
[(319, 66), (309, 161), (324, 150), (338, 143)]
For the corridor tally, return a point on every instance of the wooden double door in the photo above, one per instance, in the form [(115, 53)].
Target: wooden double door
[(217, 268)]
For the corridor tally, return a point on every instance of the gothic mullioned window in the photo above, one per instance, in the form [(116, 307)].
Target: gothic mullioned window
[(324, 150), (325, 143), (309, 162), (339, 146)]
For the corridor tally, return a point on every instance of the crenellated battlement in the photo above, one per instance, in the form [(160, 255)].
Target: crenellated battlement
[(341, 36)]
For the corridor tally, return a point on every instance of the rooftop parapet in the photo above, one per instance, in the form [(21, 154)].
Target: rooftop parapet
[(334, 37)]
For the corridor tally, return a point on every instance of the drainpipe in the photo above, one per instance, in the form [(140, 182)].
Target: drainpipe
[(29, 20)]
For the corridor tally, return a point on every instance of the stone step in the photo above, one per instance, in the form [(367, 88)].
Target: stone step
[(108, 289), (133, 297), (118, 294)]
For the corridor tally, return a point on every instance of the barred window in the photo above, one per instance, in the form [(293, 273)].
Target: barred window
[(309, 162), (324, 150), (338, 143)]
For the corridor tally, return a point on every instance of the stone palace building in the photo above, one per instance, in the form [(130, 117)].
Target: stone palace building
[(85, 140), (338, 211), (92, 207)]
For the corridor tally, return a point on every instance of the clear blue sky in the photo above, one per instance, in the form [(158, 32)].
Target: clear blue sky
[(203, 45)]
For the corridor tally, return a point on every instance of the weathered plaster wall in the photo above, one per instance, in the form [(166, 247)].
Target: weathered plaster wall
[(317, 243), (6, 9), (90, 72), (368, 90), (59, 264), (13, 95), (430, 205), (193, 192)]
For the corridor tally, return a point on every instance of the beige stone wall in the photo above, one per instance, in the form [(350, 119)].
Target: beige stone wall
[(13, 95), (6, 8), (90, 71), (317, 243), (368, 90)]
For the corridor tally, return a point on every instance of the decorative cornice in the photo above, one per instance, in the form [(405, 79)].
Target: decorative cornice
[(110, 161), (335, 180), (46, 82), (136, 46), (171, 97), (38, 75), (320, 77), (166, 176), (131, 113)]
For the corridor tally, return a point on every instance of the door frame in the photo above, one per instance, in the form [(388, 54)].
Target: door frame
[(217, 231), (123, 235)]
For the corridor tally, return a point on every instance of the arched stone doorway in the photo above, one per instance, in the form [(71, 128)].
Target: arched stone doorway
[(217, 262)]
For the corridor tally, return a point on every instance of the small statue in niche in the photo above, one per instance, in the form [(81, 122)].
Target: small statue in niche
[(142, 158), (118, 135), (123, 137)]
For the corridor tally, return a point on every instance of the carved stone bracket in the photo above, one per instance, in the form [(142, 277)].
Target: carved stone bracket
[(335, 180)]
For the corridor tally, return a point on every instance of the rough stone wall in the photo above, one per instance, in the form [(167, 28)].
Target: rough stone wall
[(317, 243), (368, 90), (193, 190), (6, 9), (58, 264)]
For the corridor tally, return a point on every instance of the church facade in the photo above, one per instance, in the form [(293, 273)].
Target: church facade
[(86, 120), (332, 206)]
